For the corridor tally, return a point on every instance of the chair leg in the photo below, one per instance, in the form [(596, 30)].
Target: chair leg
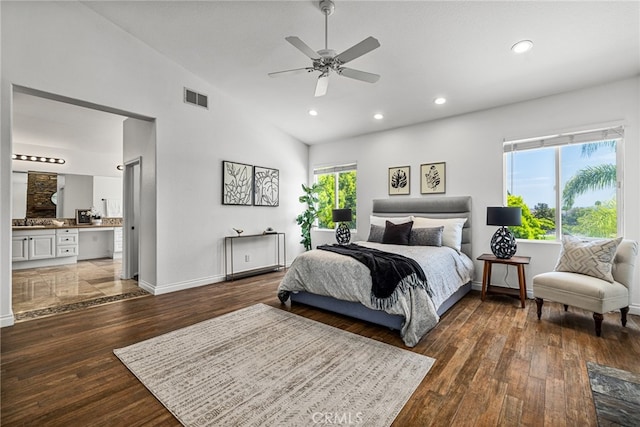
[(539, 303), (623, 315), (566, 307), (598, 318)]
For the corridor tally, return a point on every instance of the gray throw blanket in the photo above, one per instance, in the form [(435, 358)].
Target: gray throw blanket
[(390, 273)]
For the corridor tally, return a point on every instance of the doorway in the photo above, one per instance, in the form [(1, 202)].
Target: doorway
[(129, 148)]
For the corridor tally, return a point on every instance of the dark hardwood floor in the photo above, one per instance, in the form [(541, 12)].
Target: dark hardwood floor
[(496, 364)]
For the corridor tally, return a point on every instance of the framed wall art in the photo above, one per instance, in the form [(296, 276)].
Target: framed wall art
[(433, 178), (237, 183), (399, 180), (266, 186)]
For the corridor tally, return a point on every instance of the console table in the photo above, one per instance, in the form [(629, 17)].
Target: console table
[(280, 262)]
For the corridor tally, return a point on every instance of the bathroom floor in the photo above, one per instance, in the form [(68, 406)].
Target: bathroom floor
[(39, 292)]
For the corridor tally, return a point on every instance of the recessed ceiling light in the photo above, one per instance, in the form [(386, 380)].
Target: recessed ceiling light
[(440, 100), (313, 113), (522, 46), (378, 116)]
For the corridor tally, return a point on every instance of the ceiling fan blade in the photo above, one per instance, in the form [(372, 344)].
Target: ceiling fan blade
[(294, 71), (302, 47), (355, 51), (359, 75), (322, 84)]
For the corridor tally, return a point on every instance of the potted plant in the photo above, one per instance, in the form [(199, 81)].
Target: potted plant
[(308, 217), (96, 216)]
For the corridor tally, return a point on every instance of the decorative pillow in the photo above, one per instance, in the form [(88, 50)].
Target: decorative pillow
[(375, 234), (452, 233), (397, 234), (592, 258), (426, 236), (382, 220)]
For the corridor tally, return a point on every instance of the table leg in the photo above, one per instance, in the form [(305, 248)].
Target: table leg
[(486, 277), (522, 284)]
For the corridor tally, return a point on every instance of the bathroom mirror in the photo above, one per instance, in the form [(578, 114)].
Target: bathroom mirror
[(61, 194)]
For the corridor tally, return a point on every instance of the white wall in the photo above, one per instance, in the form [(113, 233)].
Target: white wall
[(471, 146), (19, 189), (106, 188), (64, 48), (77, 194)]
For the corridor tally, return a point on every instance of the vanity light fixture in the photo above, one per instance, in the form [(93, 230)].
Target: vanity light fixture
[(440, 100), (41, 159), (378, 116), (522, 46)]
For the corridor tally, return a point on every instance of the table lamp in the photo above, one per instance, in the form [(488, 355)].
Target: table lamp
[(342, 216), (503, 242)]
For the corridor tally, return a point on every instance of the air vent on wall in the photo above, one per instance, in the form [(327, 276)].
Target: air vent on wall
[(195, 98)]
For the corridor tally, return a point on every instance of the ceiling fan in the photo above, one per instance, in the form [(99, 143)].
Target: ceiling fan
[(325, 60)]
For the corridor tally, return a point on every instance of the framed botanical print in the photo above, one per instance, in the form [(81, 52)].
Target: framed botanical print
[(399, 180), (433, 178), (266, 185), (237, 183)]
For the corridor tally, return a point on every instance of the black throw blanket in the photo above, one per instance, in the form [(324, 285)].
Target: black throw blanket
[(388, 270)]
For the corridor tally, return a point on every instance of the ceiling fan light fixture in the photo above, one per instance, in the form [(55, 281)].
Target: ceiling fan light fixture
[(522, 46), (440, 100)]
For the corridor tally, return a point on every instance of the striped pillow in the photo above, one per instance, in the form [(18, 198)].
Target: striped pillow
[(592, 258)]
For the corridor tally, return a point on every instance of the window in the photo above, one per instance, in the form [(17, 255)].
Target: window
[(566, 184), (337, 190)]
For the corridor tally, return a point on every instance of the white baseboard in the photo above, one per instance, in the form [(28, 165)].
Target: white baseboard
[(179, 286), (7, 320)]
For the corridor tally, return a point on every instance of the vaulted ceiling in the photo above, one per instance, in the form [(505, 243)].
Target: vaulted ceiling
[(458, 50)]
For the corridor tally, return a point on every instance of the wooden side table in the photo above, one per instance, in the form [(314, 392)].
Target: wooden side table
[(519, 262)]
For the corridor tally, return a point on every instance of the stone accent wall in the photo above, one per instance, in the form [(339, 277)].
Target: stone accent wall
[(40, 188)]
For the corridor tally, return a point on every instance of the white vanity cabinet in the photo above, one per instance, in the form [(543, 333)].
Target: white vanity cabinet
[(67, 242), (29, 245)]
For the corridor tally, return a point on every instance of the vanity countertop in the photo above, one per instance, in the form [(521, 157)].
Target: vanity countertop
[(55, 227)]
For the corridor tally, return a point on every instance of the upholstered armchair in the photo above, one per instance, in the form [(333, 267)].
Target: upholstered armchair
[(594, 276)]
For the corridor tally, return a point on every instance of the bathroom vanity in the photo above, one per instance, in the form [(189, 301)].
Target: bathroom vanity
[(43, 246)]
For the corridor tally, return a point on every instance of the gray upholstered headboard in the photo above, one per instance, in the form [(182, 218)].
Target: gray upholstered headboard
[(432, 207)]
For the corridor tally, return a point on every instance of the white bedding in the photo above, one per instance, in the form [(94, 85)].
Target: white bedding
[(342, 277)]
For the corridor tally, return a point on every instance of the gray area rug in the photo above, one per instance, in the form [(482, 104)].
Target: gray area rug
[(616, 395), (261, 366)]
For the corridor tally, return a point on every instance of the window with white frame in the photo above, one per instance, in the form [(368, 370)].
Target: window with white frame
[(566, 184), (337, 190)]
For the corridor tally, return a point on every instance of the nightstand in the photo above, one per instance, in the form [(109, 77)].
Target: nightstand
[(519, 262)]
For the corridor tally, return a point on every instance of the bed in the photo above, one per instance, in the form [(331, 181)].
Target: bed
[(341, 284)]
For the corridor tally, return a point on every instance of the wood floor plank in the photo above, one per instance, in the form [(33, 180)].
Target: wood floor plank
[(496, 363)]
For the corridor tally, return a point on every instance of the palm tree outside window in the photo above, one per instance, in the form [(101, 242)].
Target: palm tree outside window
[(566, 184)]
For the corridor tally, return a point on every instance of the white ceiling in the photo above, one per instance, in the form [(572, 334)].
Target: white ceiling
[(460, 50), (61, 126)]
